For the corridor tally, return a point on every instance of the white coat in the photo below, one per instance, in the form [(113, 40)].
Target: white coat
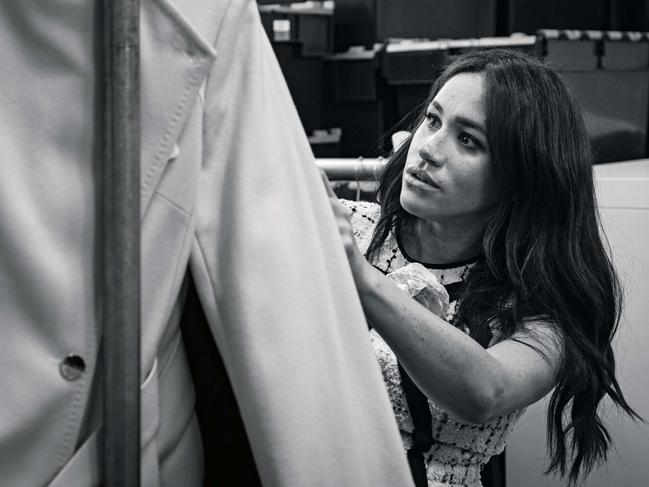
[(228, 189)]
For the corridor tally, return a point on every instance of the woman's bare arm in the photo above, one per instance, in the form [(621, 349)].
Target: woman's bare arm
[(472, 383)]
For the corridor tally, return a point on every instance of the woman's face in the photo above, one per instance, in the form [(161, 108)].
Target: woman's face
[(448, 172)]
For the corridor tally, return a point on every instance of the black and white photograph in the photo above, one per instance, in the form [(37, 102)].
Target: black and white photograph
[(339, 243)]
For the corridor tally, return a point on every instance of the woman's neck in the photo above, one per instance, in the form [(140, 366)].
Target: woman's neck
[(438, 242)]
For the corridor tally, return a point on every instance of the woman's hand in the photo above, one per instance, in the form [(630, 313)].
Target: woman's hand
[(356, 259)]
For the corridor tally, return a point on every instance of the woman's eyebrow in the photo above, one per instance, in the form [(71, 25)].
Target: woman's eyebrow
[(471, 124), (467, 122)]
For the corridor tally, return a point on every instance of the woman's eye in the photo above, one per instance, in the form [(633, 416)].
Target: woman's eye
[(468, 141), (433, 120)]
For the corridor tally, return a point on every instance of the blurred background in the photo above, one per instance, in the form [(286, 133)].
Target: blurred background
[(359, 69)]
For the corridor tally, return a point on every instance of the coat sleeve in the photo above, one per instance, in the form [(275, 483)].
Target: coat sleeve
[(273, 279)]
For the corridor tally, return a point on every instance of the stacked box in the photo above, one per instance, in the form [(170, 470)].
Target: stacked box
[(531, 15), (354, 100), (365, 22), (304, 77), (301, 35), (608, 73), (411, 66), (311, 27)]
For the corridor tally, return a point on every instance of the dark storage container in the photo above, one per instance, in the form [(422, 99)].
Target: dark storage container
[(364, 22), (608, 73), (528, 16), (625, 50), (362, 125), (354, 100), (311, 27), (570, 49), (437, 19), (304, 77), (353, 75), (326, 143), (411, 67), (374, 93), (614, 106), (414, 62)]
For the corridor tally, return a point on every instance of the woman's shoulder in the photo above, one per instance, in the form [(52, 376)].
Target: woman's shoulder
[(363, 216)]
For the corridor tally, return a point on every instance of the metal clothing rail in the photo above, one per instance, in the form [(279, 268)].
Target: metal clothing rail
[(359, 169), (120, 282)]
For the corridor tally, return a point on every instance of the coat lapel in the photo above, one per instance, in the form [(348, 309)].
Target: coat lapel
[(176, 54)]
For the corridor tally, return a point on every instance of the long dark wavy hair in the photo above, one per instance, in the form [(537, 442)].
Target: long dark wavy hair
[(543, 252)]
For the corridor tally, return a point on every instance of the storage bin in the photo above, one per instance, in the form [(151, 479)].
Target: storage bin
[(362, 126), (614, 105), (529, 16), (365, 22), (326, 142), (413, 61), (570, 49), (304, 77), (411, 66), (312, 27), (353, 75), (608, 73), (625, 50)]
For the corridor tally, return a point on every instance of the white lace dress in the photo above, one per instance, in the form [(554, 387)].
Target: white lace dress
[(460, 449)]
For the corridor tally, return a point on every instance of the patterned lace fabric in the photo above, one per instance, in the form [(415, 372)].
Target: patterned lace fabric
[(460, 449)]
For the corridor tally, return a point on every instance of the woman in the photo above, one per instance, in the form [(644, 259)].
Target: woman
[(493, 193)]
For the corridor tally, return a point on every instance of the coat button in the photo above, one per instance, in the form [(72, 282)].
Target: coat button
[(72, 367)]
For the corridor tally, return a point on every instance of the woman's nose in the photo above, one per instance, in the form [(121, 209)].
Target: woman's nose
[(432, 148)]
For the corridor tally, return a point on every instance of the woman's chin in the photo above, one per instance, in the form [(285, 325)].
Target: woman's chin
[(414, 205)]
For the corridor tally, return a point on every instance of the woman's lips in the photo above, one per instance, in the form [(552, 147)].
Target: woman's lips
[(420, 178)]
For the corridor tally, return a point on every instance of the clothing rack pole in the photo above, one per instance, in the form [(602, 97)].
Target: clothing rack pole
[(349, 169), (120, 296)]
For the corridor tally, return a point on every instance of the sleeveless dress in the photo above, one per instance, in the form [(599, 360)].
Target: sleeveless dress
[(460, 449)]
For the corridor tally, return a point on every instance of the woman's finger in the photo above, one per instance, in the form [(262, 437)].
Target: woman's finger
[(327, 184)]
